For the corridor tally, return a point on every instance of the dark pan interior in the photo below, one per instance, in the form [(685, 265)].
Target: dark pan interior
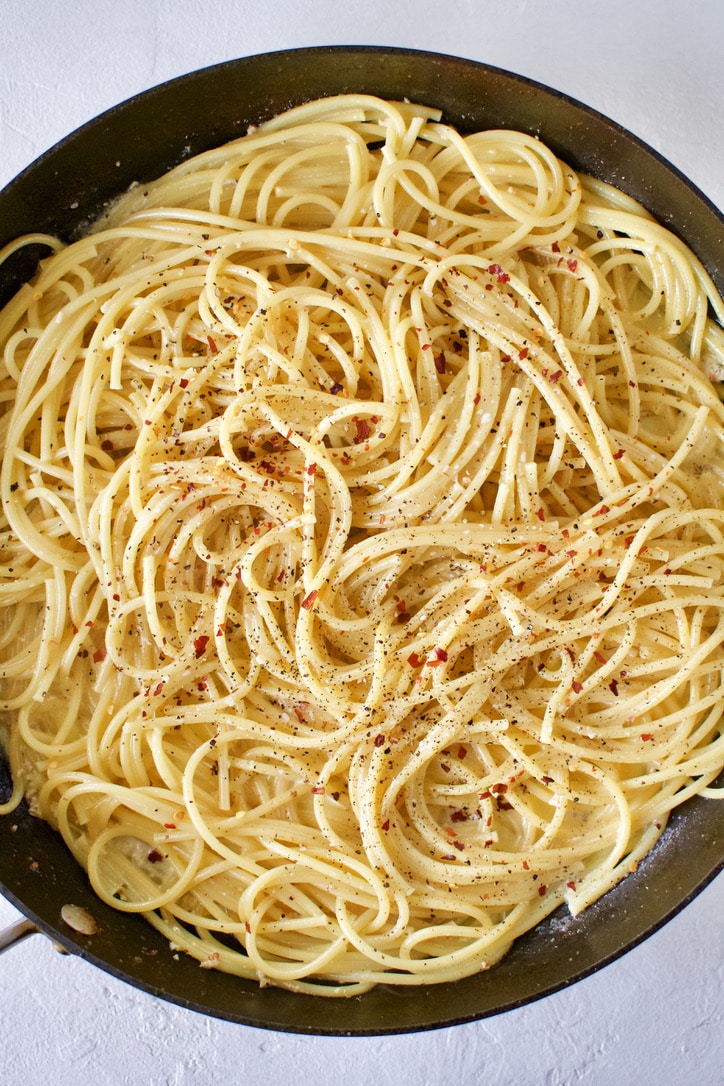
[(66, 189)]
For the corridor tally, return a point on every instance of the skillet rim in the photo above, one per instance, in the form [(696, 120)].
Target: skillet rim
[(22, 192)]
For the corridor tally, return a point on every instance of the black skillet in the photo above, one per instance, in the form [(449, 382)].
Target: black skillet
[(140, 139)]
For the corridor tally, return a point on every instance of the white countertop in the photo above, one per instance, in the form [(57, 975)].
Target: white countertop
[(654, 1017)]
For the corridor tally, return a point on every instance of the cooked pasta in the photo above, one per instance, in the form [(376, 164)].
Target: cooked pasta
[(362, 545)]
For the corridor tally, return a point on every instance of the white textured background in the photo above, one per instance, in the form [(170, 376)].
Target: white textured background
[(654, 1018)]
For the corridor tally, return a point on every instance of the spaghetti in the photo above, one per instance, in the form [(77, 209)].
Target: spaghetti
[(362, 568)]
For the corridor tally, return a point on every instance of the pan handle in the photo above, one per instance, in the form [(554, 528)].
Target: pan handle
[(15, 934)]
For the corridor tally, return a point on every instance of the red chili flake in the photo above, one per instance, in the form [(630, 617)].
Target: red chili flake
[(617, 455), (308, 601), (632, 384), (299, 711), (613, 687), (318, 790), (200, 644), (395, 232), (502, 804), (526, 865), (311, 469), (556, 247), (499, 788), (541, 548), (667, 571), (267, 466), (98, 655), (576, 686), (212, 344), (546, 780), (540, 513), (184, 382), (482, 200), (542, 891), (363, 430), (555, 377), (486, 795), (440, 362), (628, 541), (154, 856), (523, 352), (505, 358), (462, 752), (459, 846), (414, 660), (500, 275), (335, 796), (476, 398), (169, 825), (379, 740), (600, 657), (247, 926), (107, 445), (647, 737), (572, 265), (386, 824), (157, 690), (571, 885), (441, 655), (602, 511), (459, 816)]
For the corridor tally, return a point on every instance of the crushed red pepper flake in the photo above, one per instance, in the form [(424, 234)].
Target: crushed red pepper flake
[(364, 430)]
